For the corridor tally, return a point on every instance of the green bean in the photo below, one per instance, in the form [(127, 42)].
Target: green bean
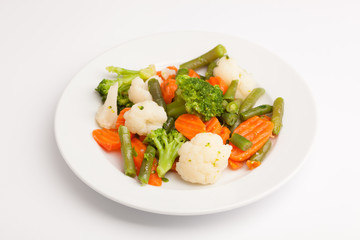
[(240, 142), (147, 164), (169, 124), (231, 91), (251, 99), (176, 108), (236, 124), (155, 91), (260, 155), (224, 104), (210, 70), (229, 118), (257, 111), (205, 59), (278, 112), (234, 106), (127, 151), (182, 71)]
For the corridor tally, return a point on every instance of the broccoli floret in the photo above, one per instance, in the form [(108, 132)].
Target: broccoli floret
[(124, 78), (167, 146), (201, 98)]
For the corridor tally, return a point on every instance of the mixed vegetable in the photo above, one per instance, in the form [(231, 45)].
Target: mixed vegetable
[(178, 120)]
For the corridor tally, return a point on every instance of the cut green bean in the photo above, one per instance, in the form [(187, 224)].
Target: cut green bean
[(210, 70), (257, 111), (127, 151), (155, 91), (147, 164), (260, 155), (251, 99), (233, 106), (236, 124), (231, 91), (278, 112), (229, 118), (240, 142), (176, 108), (224, 104), (205, 59), (169, 124)]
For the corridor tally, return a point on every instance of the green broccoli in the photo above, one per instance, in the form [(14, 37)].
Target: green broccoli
[(167, 146), (201, 98), (124, 78)]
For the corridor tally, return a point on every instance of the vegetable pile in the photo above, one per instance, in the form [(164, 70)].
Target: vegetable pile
[(178, 120)]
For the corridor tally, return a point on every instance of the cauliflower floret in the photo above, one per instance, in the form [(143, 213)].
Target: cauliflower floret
[(228, 70), (203, 158), (106, 116), (166, 73), (138, 91), (144, 117)]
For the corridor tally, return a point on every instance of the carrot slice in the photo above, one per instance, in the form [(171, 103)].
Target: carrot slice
[(252, 164), (255, 129), (213, 126), (107, 138), (168, 89), (189, 125), (225, 134), (218, 81), (193, 74), (234, 165), (139, 148), (121, 120)]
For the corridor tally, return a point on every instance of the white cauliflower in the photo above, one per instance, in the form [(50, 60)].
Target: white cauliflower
[(166, 73), (228, 70), (144, 117), (203, 158), (138, 91), (106, 116)]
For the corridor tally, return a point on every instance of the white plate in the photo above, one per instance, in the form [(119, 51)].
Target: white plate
[(102, 171)]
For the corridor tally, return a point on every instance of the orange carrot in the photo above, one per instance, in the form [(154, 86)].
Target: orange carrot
[(225, 134), (139, 148), (234, 165), (121, 120), (172, 68), (154, 178), (168, 89), (107, 138), (213, 126), (255, 129), (252, 164), (218, 81), (193, 74), (189, 125), (171, 76)]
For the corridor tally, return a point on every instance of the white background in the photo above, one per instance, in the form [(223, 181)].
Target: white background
[(43, 44)]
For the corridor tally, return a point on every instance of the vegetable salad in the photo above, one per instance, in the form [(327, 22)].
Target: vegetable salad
[(178, 120)]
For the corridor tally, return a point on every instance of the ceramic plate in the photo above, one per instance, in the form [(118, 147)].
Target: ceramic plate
[(103, 171)]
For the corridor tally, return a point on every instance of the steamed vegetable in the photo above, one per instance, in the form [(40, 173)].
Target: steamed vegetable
[(209, 72), (147, 164), (205, 59), (259, 156), (240, 142), (189, 125), (278, 112), (107, 138), (167, 146), (219, 82), (203, 159), (138, 91), (124, 79), (257, 111), (231, 91), (155, 91), (256, 130), (251, 99), (144, 117), (106, 116), (127, 151), (201, 98)]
